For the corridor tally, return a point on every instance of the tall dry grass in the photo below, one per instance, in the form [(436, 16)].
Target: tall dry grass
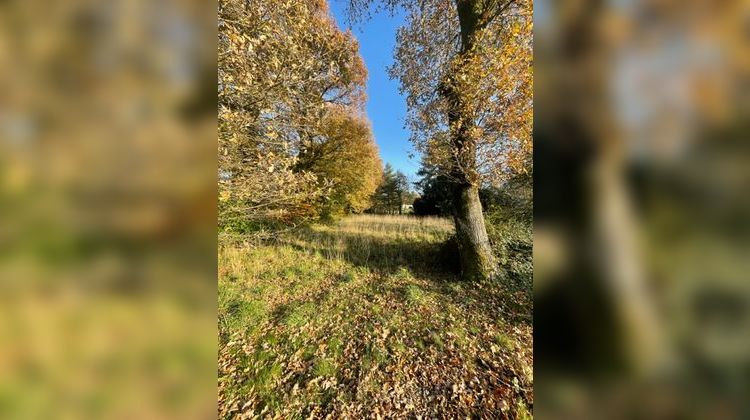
[(375, 241)]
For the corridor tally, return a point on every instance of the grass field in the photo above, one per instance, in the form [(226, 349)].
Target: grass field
[(362, 318)]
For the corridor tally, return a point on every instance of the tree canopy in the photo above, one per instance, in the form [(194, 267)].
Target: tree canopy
[(485, 72), (291, 86), (346, 156)]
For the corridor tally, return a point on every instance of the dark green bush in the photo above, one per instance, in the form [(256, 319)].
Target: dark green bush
[(512, 243)]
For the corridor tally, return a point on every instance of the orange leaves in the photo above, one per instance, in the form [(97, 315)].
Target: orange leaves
[(347, 156)]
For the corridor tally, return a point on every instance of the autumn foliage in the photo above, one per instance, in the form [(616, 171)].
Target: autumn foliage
[(483, 72), (345, 155), (291, 120)]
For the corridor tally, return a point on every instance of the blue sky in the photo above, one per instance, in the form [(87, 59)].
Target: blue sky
[(385, 106)]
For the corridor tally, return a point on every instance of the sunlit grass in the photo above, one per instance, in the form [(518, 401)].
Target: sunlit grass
[(374, 241), (331, 319)]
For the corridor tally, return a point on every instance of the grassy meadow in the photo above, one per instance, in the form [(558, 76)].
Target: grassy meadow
[(365, 318)]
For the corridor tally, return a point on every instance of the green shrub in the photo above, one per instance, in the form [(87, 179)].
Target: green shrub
[(511, 239), (512, 244)]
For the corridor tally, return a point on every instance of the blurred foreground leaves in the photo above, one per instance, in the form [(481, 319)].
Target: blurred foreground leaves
[(108, 203), (640, 217)]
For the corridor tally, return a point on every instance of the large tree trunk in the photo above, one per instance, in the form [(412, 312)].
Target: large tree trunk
[(475, 254), (477, 261)]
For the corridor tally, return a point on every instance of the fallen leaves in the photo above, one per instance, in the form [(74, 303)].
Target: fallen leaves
[(383, 356)]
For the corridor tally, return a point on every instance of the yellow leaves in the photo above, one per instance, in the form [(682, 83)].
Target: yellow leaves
[(275, 62), (347, 158), (275, 59), (486, 89), (515, 28), (234, 37)]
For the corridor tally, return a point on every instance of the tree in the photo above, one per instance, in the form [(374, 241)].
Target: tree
[(284, 67), (436, 193), (345, 156), (466, 69), (385, 195), (388, 197), (401, 186), (409, 197)]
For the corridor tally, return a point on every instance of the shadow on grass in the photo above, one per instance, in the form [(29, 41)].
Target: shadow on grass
[(384, 255), (424, 258), (298, 311)]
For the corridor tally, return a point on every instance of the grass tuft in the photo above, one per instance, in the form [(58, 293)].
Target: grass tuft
[(437, 341), (349, 276), (414, 294), (324, 367), (300, 315), (238, 314), (503, 341)]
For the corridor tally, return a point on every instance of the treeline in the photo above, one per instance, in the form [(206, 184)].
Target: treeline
[(513, 197), (294, 142), (393, 194)]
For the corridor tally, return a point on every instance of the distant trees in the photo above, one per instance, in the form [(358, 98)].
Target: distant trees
[(436, 198), (513, 197), (291, 122), (401, 185), (392, 193)]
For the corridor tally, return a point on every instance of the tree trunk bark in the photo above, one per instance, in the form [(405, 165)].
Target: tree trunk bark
[(475, 254), (477, 260)]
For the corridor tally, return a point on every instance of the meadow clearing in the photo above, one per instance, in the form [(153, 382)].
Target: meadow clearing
[(365, 318)]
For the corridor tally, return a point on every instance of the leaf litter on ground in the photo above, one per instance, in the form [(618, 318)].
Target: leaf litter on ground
[(395, 337)]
